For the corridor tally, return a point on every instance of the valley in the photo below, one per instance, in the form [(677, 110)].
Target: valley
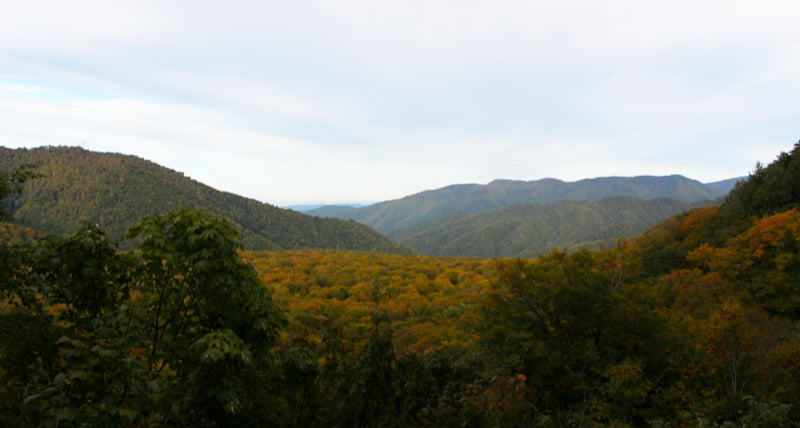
[(693, 320)]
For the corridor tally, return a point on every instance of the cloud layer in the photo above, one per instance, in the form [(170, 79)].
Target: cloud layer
[(322, 101)]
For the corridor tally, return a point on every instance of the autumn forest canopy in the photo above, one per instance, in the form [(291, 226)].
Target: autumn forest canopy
[(170, 322)]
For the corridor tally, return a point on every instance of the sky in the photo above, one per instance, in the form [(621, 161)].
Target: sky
[(295, 102)]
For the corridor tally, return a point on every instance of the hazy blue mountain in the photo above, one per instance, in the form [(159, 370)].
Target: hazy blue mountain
[(337, 211), (389, 216), (302, 208), (115, 191)]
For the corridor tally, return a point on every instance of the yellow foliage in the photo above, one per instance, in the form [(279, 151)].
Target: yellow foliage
[(319, 288)]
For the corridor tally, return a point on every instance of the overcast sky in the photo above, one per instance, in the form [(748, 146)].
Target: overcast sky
[(363, 101)]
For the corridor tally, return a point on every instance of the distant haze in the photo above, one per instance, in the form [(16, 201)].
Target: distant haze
[(320, 102)]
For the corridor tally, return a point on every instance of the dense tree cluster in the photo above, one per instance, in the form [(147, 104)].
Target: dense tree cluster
[(178, 331), (11, 183), (694, 323)]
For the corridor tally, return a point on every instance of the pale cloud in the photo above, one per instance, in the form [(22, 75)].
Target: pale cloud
[(22, 89)]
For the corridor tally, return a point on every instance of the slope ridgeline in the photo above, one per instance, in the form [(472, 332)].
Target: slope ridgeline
[(389, 216), (115, 190)]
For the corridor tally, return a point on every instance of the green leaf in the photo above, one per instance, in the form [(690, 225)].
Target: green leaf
[(66, 414), (128, 413), (60, 378), (30, 398), (79, 374)]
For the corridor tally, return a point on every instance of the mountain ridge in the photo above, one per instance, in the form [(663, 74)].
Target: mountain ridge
[(389, 216), (115, 190), (514, 217)]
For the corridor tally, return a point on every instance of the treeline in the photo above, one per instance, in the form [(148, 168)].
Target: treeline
[(694, 323)]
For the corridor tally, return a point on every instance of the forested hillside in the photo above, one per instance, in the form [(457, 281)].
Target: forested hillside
[(528, 230), (114, 191), (389, 216), (694, 323)]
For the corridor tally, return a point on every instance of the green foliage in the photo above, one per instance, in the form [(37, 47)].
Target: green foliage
[(27, 345), (179, 332), (363, 392), (11, 182), (575, 329), (83, 272), (206, 316), (528, 230), (768, 190)]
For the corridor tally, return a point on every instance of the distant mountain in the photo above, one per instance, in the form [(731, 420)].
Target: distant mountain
[(527, 230), (389, 216), (302, 208), (322, 210), (338, 211), (725, 186), (115, 190)]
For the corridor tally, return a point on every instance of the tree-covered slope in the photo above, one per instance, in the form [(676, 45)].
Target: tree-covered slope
[(527, 230), (388, 216), (768, 191), (115, 190)]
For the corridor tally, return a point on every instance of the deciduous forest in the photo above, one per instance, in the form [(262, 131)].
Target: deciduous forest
[(693, 323)]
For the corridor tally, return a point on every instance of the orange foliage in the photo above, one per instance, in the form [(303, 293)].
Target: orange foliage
[(429, 301), (697, 222), (763, 260)]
